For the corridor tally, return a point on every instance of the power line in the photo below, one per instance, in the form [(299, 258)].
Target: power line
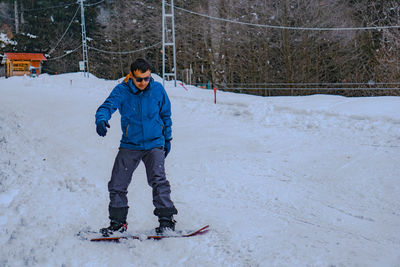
[(52, 50), (290, 27), (95, 3), (58, 6), (124, 52), (68, 53)]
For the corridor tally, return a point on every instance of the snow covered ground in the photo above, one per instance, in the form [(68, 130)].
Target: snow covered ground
[(283, 181)]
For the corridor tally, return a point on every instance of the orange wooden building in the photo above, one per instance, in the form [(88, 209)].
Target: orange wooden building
[(19, 64)]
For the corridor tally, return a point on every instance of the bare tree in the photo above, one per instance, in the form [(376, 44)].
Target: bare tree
[(228, 53)]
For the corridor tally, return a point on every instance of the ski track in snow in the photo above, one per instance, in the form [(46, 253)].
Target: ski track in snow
[(283, 181)]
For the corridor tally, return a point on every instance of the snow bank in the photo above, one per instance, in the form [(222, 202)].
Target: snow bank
[(283, 181)]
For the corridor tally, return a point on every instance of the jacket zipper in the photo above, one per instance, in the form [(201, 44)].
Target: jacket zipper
[(141, 113)]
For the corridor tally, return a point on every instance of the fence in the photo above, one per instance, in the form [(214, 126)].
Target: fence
[(346, 89)]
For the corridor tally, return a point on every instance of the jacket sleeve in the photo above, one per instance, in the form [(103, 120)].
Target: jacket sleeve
[(110, 105), (165, 114)]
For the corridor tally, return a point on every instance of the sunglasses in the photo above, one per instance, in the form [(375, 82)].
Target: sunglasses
[(139, 80)]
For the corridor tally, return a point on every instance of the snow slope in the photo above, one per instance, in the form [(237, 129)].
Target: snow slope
[(283, 181)]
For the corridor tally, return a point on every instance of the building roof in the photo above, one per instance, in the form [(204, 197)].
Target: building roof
[(25, 56)]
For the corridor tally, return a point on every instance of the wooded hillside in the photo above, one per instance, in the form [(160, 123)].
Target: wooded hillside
[(227, 53)]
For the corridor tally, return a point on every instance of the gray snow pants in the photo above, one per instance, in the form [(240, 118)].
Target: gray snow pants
[(125, 164)]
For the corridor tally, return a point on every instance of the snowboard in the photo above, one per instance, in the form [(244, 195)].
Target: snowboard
[(200, 231)]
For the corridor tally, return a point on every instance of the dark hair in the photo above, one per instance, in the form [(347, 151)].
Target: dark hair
[(141, 64)]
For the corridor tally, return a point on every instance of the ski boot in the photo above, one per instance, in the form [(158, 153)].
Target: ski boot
[(118, 221), (115, 226), (166, 224)]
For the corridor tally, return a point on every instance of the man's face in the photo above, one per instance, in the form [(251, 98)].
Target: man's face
[(141, 79)]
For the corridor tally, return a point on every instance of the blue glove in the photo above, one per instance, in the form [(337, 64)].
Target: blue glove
[(167, 147), (101, 128)]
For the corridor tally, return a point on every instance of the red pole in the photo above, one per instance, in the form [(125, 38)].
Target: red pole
[(183, 86), (215, 95)]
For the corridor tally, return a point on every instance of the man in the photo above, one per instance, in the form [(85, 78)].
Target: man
[(146, 136)]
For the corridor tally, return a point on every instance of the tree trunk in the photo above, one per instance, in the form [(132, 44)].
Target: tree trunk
[(16, 17), (286, 44)]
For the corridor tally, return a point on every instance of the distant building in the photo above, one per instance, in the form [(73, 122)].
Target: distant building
[(19, 64)]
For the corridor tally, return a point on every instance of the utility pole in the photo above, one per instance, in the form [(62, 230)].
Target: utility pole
[(85, 63), (168, 40)]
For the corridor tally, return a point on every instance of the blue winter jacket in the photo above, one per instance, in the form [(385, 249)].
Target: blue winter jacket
[(145, 115)]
